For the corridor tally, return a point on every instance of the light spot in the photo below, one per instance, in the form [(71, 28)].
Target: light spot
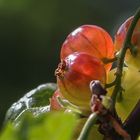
[(76, 31)]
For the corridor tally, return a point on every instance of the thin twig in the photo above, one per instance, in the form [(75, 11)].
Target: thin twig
[(87, 127), (107, 60)]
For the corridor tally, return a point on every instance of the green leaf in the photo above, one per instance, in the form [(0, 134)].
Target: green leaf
[(50, 126), (130, 94), (59, 127), (37, 111), (9, 133), (37, 97)]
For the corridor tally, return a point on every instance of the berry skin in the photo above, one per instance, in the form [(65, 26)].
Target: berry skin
[(121, 34), (135, 41), (74, 75), (54, 104), (90, 39)]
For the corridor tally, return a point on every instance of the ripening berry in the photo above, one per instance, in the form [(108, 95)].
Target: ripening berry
[(91, 39), (135, 41), (74, 74)]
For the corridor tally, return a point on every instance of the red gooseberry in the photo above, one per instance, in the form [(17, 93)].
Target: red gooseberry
[(122, 31), (135, 41), (91, 39), (74, 75)]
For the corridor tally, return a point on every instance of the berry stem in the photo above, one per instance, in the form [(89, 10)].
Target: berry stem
[(110, 84), (107, 60), (87, 127), (120, 61)]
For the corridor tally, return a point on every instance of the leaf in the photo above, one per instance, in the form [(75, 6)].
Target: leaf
[(131, 92), (59, 128), (50, 126), (37, 97), (9, 133), (37, 111)]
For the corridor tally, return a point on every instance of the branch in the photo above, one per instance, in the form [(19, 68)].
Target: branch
[(120, 61)]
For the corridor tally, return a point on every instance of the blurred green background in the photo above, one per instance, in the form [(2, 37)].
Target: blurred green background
[(31, 34)]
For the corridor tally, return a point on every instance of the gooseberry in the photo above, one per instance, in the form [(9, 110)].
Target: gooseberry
[(135, 41), (74, 75), (91, 39)]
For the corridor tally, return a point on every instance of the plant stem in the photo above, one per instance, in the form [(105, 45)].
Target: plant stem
[(110, 84), (106, 60), (120, 61), (87, 127)]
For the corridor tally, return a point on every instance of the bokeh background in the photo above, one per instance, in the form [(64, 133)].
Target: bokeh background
[(31, 34)]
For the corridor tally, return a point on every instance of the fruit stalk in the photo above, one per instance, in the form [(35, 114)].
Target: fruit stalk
[(87, 127)]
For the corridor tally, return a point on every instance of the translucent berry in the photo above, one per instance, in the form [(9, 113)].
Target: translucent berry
[(132, 57), (91, 39), (74, 75)]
